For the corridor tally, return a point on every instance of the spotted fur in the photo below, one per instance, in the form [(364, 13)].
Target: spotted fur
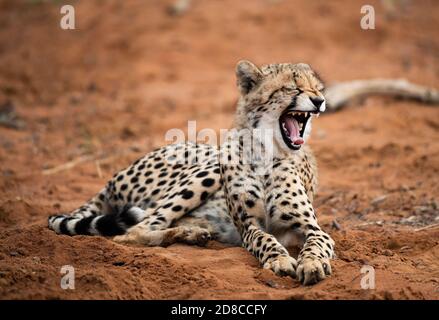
[(262, 206)]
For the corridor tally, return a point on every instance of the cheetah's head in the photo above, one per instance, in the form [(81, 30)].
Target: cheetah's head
[(280, 97)]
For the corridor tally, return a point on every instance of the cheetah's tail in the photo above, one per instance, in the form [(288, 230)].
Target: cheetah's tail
[(96, 217)]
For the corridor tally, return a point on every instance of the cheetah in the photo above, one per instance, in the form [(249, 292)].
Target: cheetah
[(264, 206)]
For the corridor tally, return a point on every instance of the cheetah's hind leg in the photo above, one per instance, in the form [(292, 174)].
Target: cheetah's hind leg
[(140, 234)]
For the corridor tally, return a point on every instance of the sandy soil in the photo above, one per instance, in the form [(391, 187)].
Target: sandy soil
[(102, 95)]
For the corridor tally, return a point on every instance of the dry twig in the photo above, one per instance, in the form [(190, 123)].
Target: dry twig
[(431, 226), (67, 165)]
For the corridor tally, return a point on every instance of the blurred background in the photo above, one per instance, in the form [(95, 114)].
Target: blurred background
[(133, 69), (78, 105)]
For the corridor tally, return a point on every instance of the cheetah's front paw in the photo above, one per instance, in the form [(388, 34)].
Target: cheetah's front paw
[(282, 266), (312, 270)]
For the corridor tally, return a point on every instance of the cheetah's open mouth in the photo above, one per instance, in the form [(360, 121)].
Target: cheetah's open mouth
[(292, 126)]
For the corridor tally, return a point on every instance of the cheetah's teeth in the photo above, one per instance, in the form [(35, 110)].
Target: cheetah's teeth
[(300, 113)]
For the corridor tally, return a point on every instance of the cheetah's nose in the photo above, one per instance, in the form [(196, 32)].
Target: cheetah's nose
[(317, 101)]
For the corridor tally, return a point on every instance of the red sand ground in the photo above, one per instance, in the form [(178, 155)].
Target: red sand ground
[(106, 93)]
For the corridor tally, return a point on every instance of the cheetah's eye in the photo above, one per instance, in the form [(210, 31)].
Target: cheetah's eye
[(290, 90)]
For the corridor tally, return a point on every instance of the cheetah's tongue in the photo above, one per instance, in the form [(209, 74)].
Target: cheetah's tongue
[(292, 127)]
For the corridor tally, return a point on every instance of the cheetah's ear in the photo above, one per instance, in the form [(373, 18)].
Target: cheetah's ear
[(248, 76)]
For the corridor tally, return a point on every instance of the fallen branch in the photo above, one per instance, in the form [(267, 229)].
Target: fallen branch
[(98, 159), (338, 95), (67, 165), (71, 164), (431, 226)]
